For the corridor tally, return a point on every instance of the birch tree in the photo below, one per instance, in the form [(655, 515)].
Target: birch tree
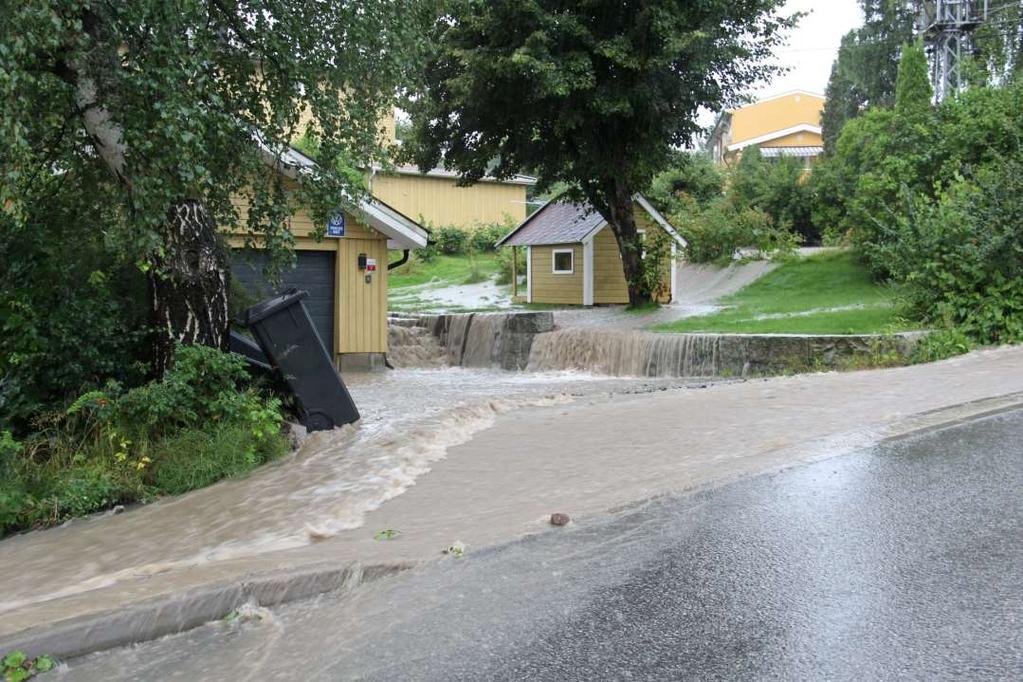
[(185, 104)]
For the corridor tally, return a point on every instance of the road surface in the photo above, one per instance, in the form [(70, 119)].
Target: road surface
[(901, 561)]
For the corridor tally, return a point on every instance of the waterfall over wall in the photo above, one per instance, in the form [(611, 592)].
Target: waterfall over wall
[(529, 341), (500, 340), (627, 353)]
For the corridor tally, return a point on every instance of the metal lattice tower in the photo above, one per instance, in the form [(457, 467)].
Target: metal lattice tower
[(947, 27)]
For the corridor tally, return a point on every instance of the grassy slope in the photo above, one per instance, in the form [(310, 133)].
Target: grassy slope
[(442, 271), (800, 293)]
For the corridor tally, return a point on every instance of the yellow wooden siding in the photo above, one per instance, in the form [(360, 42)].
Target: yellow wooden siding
[(441, 202), (773, 115), (546, 287), (609, 284), (362, 315), (802, 139), (360, 309)]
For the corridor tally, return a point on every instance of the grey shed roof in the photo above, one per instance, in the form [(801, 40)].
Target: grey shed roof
[(556, 222)]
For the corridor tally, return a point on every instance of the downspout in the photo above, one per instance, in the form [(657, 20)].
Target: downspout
[(401, 261)]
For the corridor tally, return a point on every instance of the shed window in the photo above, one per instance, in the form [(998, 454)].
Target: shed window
[(563, 262)]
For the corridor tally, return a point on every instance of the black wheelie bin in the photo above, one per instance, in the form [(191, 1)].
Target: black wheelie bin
[(285, 332)]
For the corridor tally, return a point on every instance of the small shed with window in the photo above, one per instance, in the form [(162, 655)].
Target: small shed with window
[(573, 258)]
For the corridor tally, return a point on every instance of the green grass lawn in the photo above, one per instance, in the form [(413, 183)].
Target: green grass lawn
[(443, 271), (828, 293)]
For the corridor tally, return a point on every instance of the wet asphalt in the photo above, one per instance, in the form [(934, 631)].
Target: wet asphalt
[(904, 561)]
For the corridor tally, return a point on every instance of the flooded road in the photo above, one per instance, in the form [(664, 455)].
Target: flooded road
[(898, 561), (410, 418)]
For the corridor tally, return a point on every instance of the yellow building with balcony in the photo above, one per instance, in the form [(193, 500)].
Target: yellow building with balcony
[(784, 125)]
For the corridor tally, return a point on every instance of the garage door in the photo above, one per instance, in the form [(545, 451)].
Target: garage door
[(313, 272)]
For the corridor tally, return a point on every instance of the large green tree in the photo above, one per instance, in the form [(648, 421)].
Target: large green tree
[(594, 94), (164, 110), (865, 69)]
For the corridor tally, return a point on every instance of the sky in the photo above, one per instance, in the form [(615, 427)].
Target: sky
[(812, 45), (810, 50)]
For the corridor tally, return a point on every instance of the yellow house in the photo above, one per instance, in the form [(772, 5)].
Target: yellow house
[(784, 125), (572, 256), (345, 273), (435, 198)]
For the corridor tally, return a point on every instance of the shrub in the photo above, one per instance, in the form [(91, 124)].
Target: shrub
[(940, 345), (112, 446), (426, 254), (201, 387), (958, 256), (12, 493), (485, 237), (716, 233), (778, 187), (72, 313), (452, 240), (691, 176), (504, 264)]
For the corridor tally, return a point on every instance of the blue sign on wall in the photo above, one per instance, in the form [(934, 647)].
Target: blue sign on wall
[(336, 226)]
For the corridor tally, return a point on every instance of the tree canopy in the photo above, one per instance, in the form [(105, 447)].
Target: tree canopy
[(166, 110), (188, 85), (866, 67), (594, 94)]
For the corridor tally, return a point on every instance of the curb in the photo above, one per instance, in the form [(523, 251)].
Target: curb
[(172, 614)]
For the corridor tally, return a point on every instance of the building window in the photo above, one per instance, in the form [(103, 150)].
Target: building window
[(563, 261)]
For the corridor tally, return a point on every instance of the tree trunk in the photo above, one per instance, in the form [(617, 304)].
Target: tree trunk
[(189, 284), (623, 224)]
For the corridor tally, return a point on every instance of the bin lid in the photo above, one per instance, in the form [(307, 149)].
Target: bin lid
[(265, 309)]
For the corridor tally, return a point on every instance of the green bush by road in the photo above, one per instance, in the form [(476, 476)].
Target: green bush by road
[(197, 425)]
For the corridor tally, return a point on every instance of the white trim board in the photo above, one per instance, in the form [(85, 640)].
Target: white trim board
[(767, 137), (588, 274), (674, 273), (660, 220), (529, 274)]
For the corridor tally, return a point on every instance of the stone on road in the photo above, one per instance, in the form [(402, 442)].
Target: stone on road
[(902, 561)]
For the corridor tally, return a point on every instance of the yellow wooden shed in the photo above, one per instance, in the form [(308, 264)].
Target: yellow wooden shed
[(345, 272), (572, 256)]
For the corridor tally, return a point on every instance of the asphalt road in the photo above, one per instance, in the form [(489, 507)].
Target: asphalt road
[(904, 561)]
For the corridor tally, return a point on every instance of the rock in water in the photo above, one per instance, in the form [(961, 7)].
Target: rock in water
[(559, 519)]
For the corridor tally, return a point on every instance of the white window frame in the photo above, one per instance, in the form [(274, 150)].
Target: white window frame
[(554, 262), (642, 237)]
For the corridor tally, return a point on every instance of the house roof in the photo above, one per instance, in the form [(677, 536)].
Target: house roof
[(402, 231), (780, 95), (517, 179), (567, 222), (773, 152), (556, 222)]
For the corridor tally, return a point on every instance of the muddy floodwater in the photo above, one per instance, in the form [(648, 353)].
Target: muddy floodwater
[(900, 561), (410, 418)]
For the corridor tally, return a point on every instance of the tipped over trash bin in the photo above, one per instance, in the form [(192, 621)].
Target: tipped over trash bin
[(285, 332)]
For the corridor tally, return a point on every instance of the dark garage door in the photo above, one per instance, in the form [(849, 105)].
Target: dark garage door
[(313, 272)]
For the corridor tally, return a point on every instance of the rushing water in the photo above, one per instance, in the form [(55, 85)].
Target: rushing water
[(474, 340), (626, 353), (410, 419)]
